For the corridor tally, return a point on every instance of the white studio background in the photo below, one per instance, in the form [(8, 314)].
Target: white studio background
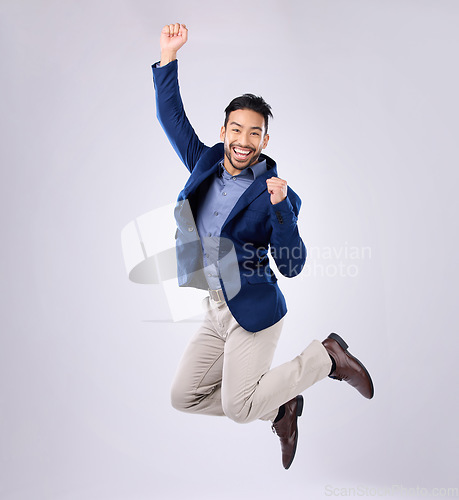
[(364, 94)]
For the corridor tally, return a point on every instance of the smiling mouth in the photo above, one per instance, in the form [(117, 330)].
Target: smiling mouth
[(241, 154)]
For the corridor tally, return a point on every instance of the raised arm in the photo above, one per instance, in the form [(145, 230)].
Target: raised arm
[(169, 105)]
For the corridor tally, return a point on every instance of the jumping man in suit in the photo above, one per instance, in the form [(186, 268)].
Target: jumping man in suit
[(232, 211)]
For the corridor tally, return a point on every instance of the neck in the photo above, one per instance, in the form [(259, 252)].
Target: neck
[(230, 169), (235, 171)]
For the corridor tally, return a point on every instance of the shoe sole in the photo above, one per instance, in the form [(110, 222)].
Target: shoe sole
[(299, 405), (342, 343), (299, 412)]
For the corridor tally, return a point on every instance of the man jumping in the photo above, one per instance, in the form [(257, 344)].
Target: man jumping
[(232, 211)]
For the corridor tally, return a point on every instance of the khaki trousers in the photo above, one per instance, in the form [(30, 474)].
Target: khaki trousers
[(225, 370)]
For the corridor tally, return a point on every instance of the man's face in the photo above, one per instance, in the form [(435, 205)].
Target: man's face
[(244, 137)]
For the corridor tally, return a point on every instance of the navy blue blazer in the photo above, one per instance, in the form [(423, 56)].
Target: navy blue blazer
[(253, 226)]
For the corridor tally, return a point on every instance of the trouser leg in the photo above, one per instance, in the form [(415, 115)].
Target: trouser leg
[(250, 390), (225, 370), (197, 384)]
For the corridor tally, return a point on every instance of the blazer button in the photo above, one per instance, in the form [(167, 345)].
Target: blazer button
[(279, 218), (190, 228)]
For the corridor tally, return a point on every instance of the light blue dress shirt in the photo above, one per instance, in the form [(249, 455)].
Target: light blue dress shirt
[(223, 194)]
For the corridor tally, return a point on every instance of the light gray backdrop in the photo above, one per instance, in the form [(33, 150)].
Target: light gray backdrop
[(364, 95)]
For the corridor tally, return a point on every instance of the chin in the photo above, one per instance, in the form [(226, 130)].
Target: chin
[(238, 165), (242, 166)]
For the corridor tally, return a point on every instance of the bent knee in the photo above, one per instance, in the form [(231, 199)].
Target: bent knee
[(180, 399), (237, 413)]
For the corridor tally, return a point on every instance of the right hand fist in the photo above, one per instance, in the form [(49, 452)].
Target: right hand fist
[(173, 36)]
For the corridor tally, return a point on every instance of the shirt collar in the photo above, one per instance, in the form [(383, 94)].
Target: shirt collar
[(254, 171), (259, 168)]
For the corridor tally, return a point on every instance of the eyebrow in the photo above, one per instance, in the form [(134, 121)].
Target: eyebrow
[(239, 125)]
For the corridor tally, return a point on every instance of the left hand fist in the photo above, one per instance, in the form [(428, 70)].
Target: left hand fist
[(277, 188)]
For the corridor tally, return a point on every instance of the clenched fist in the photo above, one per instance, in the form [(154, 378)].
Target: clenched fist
[(277, 188), (173, 37)]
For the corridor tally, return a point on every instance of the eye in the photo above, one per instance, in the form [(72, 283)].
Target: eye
[(255, 133), (235, 130)]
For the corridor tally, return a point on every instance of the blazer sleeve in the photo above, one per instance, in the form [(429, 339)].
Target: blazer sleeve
[(286, 245), (172, 117)]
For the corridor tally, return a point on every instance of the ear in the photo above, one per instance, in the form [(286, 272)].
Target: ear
[(265, 141), (222, 133)]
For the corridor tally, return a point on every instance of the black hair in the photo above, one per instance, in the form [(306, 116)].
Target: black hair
[(250, 101)]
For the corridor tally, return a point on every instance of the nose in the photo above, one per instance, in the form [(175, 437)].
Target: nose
[(245, 139)]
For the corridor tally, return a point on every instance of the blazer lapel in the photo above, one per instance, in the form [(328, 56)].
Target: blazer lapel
[(257, 187), (201, 172), (194, 182)]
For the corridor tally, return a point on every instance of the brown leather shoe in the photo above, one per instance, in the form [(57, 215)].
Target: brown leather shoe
[(348, 368), (287, 430)]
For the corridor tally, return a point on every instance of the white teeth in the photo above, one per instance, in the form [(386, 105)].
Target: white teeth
[(241, 152)]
